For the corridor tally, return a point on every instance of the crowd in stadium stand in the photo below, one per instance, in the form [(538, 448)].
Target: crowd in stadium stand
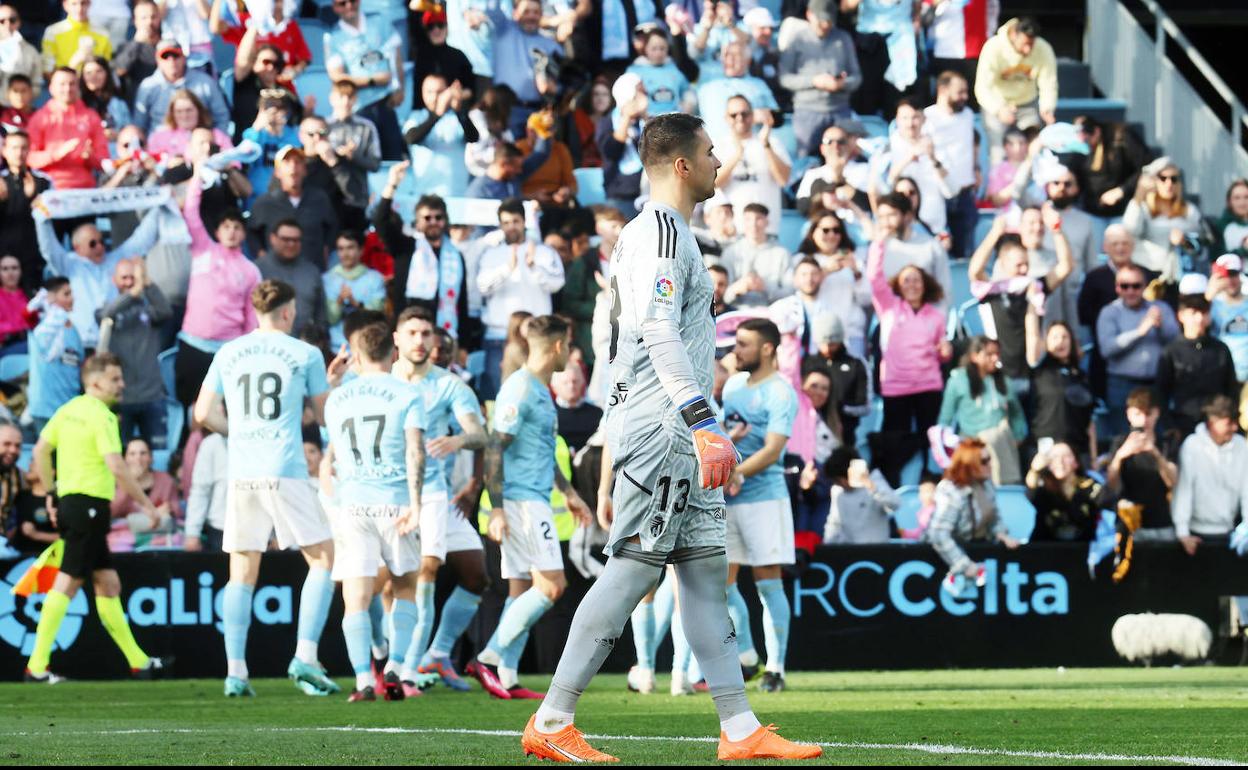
[(866, 147)]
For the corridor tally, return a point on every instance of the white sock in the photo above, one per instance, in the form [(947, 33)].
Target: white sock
[(236, 668), (508, 677), (489, 657), (550, 721), (433, 653), (391, 665), (408, 674), (382, 652), (741, 726), (305, 650), (363, 680), (775, 668), (749, 658)]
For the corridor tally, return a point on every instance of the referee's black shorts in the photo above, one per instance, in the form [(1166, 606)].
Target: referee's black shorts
[(84, 522)]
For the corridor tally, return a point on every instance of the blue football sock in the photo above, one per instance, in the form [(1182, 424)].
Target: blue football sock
[(314, 601), (424, 622), (740, 615), (511, 655), (380, 621), (776, 617), (357, 630), (457, 613), (643, 631), (526, 610), (404, 617), (236, 617), (681, 651), (664, 606), (492, 647)]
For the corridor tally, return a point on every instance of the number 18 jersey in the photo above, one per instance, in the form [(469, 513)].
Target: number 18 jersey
[(264, 378), (656, 273)]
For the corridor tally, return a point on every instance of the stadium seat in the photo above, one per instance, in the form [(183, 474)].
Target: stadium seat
[(476, 363), (314, 33), (377, 179), (907, 516), (792, 230), (160, 460), (175, 419), (314, 82), (226, 81), (1016, 511), (14, 366), (166, 360), (787, 137), (26, 457), (874, 125), (590, 189)]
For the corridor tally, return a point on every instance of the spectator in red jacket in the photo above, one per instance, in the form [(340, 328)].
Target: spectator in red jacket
[(67, 140)]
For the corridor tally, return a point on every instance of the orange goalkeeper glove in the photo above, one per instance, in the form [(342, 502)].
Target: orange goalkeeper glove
[(717, 456)]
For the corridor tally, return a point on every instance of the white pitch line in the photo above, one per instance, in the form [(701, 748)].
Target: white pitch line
[(924, 748)]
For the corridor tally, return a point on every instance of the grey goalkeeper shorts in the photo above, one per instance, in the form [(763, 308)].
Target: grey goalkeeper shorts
[(658, 497)]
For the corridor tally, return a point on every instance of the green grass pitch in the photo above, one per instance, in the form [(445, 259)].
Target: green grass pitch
[(1038, 716)]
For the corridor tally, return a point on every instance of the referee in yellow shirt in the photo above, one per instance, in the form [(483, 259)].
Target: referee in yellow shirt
[(87, 442)]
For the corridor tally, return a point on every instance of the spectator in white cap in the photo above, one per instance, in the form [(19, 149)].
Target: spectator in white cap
[(764, 53), (1229, 311), (721, 227)]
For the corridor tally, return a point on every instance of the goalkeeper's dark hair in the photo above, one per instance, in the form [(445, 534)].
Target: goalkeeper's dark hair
[(668, 137)]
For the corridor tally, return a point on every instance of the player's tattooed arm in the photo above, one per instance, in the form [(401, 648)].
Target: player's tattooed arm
[(495, 444), (472, 438), (494, 483), (415, 465)]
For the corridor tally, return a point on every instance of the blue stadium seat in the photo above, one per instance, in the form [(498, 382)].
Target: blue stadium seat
[(590, 189), (792, 230), (160, 460), (166, 360), (314, 33), (874, 125), (314, 81), (226, 81), (14, 366), (377, 179), (907, 516), (476, 363), (175, 419), (1016, 511), (787, 137), (26, 457)]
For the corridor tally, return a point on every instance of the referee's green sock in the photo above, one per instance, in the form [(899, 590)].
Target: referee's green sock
[(55, 604), (118, 627)]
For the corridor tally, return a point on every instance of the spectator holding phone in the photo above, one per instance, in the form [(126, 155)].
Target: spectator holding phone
[(862, 501), (1067, 502)]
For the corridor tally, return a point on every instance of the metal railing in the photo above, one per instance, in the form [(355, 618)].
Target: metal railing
[(1129, 63)]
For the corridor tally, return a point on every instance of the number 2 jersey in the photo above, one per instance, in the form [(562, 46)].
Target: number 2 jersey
[(656, 273), (368, 419), (264, 378)]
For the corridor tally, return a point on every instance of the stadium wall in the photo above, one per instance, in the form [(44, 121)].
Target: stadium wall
[(870, 607)]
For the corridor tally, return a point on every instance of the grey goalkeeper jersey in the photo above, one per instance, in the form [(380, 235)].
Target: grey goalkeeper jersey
[(656, 273)]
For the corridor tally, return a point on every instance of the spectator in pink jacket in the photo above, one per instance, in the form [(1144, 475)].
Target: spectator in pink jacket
[(913, 345), (218, 299)]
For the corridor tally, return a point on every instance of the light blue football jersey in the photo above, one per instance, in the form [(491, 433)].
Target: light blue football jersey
[(367, 420), (525, 410), (444, 396), (768, 407), (264, 378)]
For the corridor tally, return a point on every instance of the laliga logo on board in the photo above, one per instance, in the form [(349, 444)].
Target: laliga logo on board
[(17, 627)]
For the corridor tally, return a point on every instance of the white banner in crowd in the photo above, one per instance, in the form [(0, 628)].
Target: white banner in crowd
[(67, 204)]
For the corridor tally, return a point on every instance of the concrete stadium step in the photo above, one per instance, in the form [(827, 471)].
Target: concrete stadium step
[(1104, 110)]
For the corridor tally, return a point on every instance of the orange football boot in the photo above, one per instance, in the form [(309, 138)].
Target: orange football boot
[(764, 743), (567, 745)]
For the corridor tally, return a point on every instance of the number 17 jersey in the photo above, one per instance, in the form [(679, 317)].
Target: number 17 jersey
[(657, 273), (264, 378)]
